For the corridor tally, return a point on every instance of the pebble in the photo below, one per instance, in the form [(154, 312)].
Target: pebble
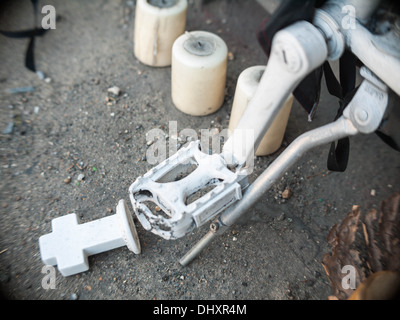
[(67, 180), (40, 74), (114, 90), (9, 129), (281, 217), (81, 177), (73, 296), (286, 194)]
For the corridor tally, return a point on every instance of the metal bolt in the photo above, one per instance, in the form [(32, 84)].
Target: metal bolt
[(214, 226), (362, 115)]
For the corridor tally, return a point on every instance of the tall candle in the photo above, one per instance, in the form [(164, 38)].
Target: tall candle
[(158, 23), (198, 72), (246, 86)]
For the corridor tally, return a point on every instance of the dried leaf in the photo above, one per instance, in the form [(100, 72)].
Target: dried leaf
[(341, 237), (375, 254), (389, 232), (380, 253)]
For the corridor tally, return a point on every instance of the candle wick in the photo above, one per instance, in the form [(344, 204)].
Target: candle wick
[(193, 38)]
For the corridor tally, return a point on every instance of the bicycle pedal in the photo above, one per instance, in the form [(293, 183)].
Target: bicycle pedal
[(185, 191)]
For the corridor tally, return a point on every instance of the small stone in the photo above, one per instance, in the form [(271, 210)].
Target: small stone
[(114, 90), (73, 296), (81, 177), (109, 210), (231, 56), (373, 192), (9, 129), (286, 194), (165, 277), (40, 74), (157, 208), (281, 217), (67, 180)]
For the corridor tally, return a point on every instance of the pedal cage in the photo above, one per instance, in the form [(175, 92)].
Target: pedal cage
[(185, 191)]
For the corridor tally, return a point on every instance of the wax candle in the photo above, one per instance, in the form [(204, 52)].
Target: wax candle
[(158, 23), (246, 86), (198, 72)]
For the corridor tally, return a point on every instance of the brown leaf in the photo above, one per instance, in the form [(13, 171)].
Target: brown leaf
[(374, 252), (380, 253), (341, 237), (389, 232)]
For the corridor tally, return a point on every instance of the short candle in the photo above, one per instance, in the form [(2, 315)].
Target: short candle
[(199, 66), (158, 23)]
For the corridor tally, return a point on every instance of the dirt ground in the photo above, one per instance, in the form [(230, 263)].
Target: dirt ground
[(65, 127)]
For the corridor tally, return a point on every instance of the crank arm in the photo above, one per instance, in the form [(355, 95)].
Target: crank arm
[(296, 51)]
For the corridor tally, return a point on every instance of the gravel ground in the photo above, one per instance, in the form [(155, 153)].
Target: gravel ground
[(66, 127)]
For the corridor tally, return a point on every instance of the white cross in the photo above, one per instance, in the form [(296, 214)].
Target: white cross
[(70, 243)]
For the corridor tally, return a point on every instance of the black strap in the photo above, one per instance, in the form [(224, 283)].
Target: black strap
[(35, 32), (339, 151), (308, 91), (289, 12)]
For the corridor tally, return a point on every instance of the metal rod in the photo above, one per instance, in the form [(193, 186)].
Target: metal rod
[(195, 250), (309, 140)]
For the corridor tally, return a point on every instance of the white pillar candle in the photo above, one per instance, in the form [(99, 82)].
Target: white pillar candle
[(247, 84), (158, 23), (199, 64)]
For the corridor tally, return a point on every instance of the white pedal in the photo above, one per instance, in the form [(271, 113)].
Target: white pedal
[(185, 191)]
